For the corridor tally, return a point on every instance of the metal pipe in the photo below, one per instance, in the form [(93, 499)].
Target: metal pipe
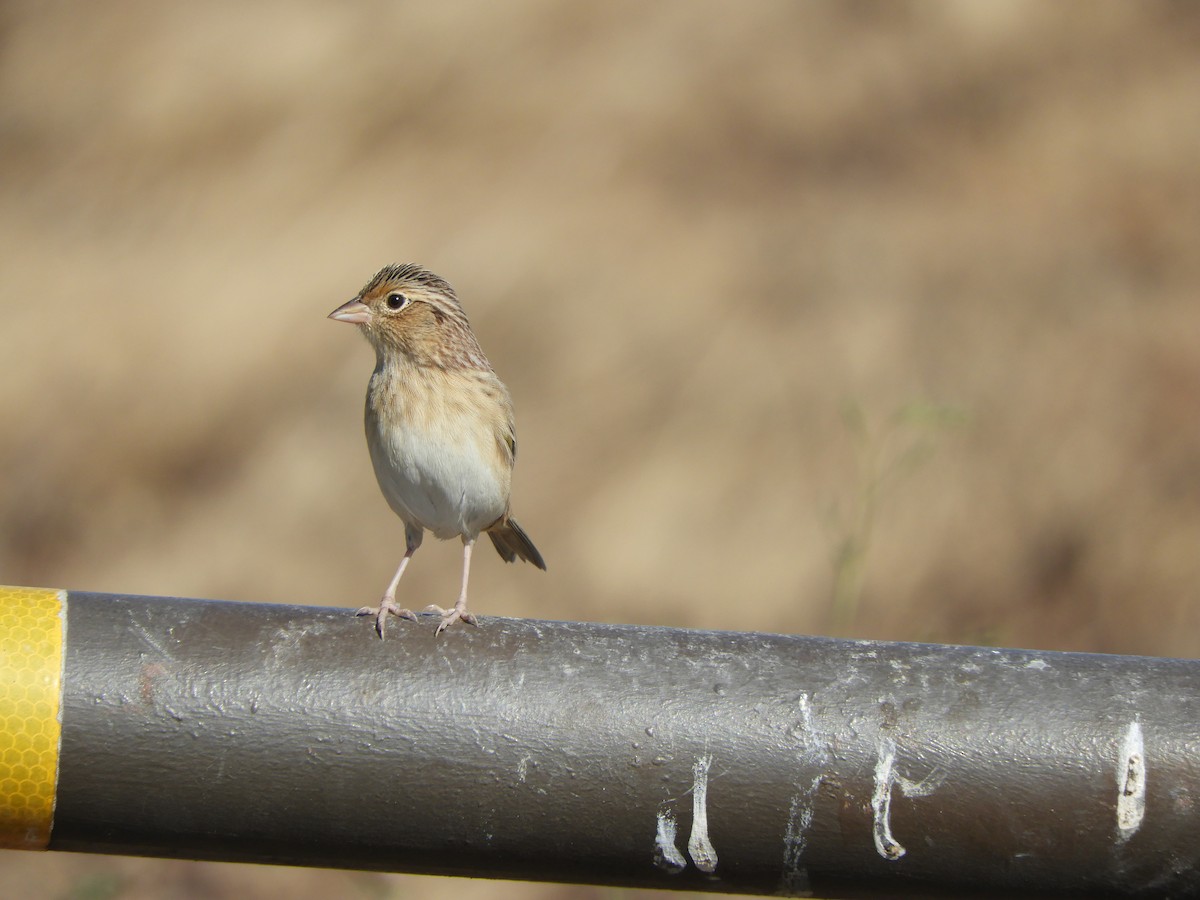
[(607, 754)]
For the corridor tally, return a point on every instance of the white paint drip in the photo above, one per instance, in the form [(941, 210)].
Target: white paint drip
[(881, 802), (1039, 664), (700, 848), (795, 838), (666, 854), (922, 788), (1131, 783), (806, 720), (812, 754)]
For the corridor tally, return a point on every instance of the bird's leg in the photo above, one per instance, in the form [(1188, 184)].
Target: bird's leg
[(459, 612), (412, 540)]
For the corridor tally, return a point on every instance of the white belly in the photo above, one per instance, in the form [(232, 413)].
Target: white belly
[(447, 485)]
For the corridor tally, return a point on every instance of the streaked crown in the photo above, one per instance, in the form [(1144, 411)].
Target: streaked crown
[(409, 309)]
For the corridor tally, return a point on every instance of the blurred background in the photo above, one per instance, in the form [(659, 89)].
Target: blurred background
[(873, 319)]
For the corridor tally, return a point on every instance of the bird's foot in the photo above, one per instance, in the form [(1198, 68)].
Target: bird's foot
[(380, 612), (450, 616)]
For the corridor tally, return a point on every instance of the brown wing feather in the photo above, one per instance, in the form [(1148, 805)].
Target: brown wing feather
[(511, 541)]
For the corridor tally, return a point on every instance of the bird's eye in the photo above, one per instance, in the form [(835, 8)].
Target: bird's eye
[(396, 301)]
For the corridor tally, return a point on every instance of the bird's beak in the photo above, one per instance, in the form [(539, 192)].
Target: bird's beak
[(353, 311)]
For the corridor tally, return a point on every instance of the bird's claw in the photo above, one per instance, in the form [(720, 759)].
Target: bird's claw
[(450, 616), (381, 611)]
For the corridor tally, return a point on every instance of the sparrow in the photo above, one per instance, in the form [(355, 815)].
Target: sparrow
[(439, 427)]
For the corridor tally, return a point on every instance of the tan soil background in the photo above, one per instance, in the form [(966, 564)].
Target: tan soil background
[(736, 262)]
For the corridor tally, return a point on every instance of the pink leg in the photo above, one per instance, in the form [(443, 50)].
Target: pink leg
[(388, 603), (459, 612)]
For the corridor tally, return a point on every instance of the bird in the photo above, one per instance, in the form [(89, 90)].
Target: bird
[(439, 425)]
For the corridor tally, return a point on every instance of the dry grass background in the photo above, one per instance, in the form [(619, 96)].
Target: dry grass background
[(734, 261)]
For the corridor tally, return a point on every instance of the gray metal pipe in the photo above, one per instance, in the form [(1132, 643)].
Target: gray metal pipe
[(624, 755)]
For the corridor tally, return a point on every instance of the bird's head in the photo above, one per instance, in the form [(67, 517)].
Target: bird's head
[(408, 310)]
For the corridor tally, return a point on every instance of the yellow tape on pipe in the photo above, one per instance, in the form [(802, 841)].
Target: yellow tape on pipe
[(32, 624)]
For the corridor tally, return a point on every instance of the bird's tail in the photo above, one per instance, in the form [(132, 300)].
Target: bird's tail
[(512, 542)]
